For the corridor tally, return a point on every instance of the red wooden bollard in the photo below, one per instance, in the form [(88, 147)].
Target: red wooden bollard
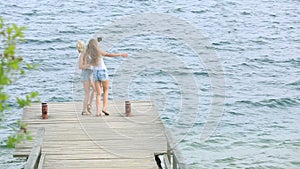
[(44, 111)]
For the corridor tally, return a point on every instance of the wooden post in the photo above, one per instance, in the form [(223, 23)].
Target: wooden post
[(177, 159), (127, 108), (169, 152), (44, 111), (174, 162)]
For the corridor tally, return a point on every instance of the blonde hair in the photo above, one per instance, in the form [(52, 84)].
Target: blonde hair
[(80, 46), (93, 51)]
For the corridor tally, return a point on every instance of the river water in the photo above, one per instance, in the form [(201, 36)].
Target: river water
[(257, 44)]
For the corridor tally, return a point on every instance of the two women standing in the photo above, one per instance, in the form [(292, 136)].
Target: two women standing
[(94, 57)]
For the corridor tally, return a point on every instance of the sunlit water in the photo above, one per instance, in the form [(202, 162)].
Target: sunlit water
[(257, 42)]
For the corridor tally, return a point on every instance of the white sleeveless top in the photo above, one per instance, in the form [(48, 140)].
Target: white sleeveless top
[(101, 65)]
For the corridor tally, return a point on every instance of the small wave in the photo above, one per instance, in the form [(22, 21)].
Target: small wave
[(266, 140), (245, 13), (201, 74), (262, 60), (238, 143), (249, 65), (273, 103), (259, 42), (296, 163), (293, 61), (295, 83), (44, 41), (179, 10), (68, 32), (221, 43), (236, 113), (199, 12), (282, 102), (226, 160)]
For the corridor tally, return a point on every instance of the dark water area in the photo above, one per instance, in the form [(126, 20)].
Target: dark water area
[(256, 42)]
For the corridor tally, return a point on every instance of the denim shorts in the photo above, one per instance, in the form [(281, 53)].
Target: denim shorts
[(86, 75), (100, 75)]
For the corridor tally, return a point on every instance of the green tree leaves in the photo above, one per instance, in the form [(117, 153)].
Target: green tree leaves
[(28, 99), (22, 133), (10, 66)]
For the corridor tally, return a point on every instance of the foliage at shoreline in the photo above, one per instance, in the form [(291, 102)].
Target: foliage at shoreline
[(12, 65)]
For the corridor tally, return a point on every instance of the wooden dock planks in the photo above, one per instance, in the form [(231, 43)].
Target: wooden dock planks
[(115, 141)]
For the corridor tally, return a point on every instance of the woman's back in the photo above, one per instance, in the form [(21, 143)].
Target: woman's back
[(101, 64)]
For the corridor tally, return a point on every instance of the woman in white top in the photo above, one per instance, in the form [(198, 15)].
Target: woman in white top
[(100, 72), (86, 78)]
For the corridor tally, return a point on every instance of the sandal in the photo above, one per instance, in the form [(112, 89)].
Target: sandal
[(89, 108), (105, 112), (84, 113)]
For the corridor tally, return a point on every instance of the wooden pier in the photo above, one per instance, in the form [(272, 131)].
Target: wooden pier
[(71, 140)]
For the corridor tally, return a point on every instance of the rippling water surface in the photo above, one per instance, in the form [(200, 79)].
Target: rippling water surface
[(258, 45)]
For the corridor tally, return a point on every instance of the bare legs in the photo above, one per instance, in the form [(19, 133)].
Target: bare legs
[(88, 97), (105, 86), (86, 86), (98, 96), (92, 95)]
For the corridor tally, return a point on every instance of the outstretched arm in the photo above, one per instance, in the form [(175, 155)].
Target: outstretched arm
[(125, 55)]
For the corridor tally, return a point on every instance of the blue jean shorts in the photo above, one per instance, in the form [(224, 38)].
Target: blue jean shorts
[(100, 75), (86, 75)]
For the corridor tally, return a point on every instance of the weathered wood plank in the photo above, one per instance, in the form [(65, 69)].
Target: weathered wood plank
[(101, 163), (115, 141), (35, 153), (41, 162)]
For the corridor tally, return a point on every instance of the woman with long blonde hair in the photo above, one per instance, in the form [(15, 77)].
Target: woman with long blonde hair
[(86, 78), (100, 72)]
